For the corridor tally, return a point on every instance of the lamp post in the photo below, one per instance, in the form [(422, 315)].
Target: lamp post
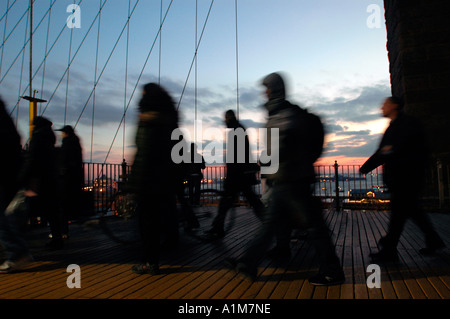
[(31, 98)]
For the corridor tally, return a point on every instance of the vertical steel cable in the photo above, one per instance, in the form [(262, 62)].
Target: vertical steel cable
[(23, 48), (140, 75), (126, 81), (195, 89), (95, 78), (68, 72), (237, 59), (195, 54), (4, 35), (15, 26), (160, 42), (46, 50), (31, 48), (23, 61)]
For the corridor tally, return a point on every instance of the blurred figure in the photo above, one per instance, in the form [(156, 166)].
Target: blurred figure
[(195, 175), (241, 176), (11, 236), (39, 177), (71, 175), (404, 153), (152, 177), (291, 201), (182, 176)]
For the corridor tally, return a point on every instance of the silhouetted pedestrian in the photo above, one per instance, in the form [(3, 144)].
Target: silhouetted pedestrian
[(195, 175), (240, 176), (152, 177), (403, 152), (291, 202), (182, 174), (39, 176), (71, 176), (12, 238)]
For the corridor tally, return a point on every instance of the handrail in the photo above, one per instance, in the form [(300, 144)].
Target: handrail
[(341, 186)]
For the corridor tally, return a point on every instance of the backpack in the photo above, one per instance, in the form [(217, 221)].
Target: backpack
[(318, 135), (313, 129)]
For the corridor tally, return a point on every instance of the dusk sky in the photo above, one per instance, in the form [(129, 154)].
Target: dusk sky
[(333, 54)]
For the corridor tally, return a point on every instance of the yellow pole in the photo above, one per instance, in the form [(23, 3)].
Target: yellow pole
[(33, 112), (33, 109)]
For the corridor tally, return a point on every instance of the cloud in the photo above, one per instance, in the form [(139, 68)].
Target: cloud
[(348, 108), (362, 105), (352, 146), (363, 133)]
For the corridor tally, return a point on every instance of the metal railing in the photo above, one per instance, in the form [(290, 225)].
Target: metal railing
[(339, 185)]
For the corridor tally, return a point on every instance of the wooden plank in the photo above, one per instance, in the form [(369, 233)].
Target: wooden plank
[(359, 271), (368, 243), (378, 230), (347, 289), (196, 270)]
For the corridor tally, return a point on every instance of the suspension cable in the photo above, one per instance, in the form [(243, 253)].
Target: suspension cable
[(46, 50), (40, 65), (139, 78), (195, 54), (68, 73), (23, 60), (24, 46), (15, 26), (8, 7), (237, 58), (106, 64), (95, 79), (126, 83), (195, 87), (73, 58), (160, 42), (4, 35)]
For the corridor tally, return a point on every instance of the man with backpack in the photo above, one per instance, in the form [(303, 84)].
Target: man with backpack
[(299, 146)]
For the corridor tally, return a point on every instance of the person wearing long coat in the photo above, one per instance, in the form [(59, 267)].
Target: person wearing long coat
[(152, 178), (71, 176), (39, 177)]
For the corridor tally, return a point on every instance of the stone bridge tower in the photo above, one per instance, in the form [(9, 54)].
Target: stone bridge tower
[(418, 44)]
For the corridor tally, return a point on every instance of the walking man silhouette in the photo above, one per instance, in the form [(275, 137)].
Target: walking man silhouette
[(403, 152)]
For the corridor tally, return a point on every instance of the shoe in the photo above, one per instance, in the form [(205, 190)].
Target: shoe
[(248, 273), (146, 268), (214, 234), (384, 256), (9, 267), (327, 280)]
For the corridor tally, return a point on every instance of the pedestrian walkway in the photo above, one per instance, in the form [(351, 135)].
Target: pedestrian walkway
[(195, 270)]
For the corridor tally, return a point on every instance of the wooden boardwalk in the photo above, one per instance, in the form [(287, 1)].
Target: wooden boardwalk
[(195, 269)]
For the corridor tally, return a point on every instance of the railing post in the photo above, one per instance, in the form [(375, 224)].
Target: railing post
[(124, 170), (337, 204)]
